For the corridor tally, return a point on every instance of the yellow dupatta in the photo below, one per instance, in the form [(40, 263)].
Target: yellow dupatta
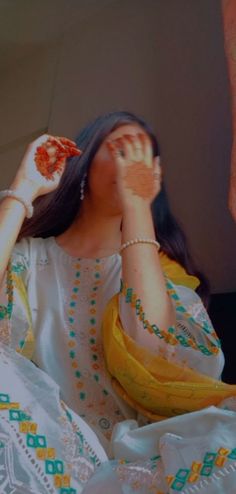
[(150, 384)]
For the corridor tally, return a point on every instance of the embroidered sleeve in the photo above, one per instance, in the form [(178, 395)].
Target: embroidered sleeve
[(192, 342), (15, 317)]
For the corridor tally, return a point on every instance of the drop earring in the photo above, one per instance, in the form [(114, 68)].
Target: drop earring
[(82, 186)]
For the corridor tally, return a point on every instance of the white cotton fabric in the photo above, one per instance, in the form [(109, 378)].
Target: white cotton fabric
[(51, 276)]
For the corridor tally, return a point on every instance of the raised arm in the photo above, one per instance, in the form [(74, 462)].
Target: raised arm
[(39, 173), (138, 181)]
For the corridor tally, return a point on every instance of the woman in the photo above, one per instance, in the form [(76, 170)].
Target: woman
[(99, 219)]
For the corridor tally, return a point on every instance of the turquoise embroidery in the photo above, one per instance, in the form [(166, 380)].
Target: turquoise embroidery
[(67, 490), (54, 467), (171, 336), (6, 311), (4, 398), (18, 267), (34, 441), (38, 442), (204, 468)]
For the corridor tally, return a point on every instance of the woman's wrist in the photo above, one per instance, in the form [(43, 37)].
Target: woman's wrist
[(137, 222), (137, 207), (26, 188)]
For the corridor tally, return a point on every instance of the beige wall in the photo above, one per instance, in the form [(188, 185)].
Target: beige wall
[(26, 93), (163, 59)]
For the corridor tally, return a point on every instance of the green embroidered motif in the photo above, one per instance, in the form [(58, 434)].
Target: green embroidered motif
[(18, 268), (129, 293), (34, 441), (4, 398), (6, 311), (39, 443), (232, 455), (15, 415), (204, 468), (3, 312), (171, 336), (67, 490), (54, 467)]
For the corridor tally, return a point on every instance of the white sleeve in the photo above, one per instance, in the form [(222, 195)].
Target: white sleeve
[(14, 310), (192, 342)]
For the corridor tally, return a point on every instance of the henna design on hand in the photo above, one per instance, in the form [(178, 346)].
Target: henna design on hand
[(139, 179), (49, 156)]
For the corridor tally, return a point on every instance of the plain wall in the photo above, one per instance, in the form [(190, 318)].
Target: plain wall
[(163, 59)]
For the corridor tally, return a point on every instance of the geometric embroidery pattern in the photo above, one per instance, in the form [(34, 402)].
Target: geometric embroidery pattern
[(201, 469), (52, 465), (170, 336)]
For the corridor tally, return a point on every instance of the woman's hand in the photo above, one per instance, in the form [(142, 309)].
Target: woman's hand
[(138, 173), (43, 165)]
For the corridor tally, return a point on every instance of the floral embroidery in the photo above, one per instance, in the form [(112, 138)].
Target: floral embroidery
[(72, 343), (93, 405), (86, 461), (146, 475), (171, 336), (201, 469)]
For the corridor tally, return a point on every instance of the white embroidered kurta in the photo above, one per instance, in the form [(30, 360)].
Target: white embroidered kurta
[(67, 298)]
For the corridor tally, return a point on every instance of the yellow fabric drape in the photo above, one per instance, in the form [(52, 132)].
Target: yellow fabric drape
[(150, 384), (229, 20), (21, 299), (177, 273)]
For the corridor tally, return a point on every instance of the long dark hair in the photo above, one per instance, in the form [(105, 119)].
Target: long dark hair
[(56, 211)]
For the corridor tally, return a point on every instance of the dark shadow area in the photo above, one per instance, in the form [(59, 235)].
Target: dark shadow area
[(222, 312)]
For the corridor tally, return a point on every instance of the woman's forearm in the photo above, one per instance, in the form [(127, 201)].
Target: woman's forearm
[(141, 267)]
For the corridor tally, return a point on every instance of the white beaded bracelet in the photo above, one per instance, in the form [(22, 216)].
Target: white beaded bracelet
[(12, 193), (140, 241)]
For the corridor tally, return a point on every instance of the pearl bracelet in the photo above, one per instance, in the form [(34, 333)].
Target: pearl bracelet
[(140, 241), (12, 193)]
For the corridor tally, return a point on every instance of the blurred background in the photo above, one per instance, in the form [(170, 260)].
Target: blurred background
[(63, 62)]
